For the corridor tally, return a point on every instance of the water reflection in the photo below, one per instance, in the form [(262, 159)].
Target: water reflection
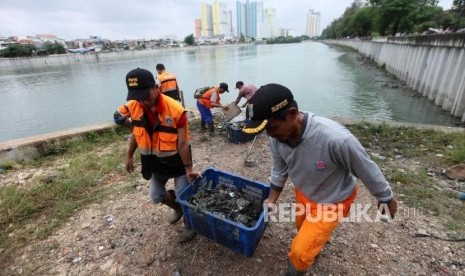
[(380, 96), (246, 51)]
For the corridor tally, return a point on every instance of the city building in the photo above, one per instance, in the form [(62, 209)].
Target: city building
[(216, 21), (250, 19), (207, 20), (312, 27), (240, 19), (270, 25), (198, 28), (50, 38), (221, 19), (286, 32)]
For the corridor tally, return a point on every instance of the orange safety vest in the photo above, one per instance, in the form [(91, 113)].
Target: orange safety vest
[(157, 146), (167, 82), (205, 100)]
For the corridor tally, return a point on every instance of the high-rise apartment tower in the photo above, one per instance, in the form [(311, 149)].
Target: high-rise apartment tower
[(250, 18), (312, 28)]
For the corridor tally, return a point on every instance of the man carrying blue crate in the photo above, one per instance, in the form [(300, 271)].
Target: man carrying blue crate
[(160, 133), (323, 160)]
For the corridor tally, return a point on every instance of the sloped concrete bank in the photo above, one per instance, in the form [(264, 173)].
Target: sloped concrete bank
[(69, 59), (7, 64), (433, 65), (25, 149)]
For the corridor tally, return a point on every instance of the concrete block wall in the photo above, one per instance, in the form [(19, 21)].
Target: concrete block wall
[(7, 64)]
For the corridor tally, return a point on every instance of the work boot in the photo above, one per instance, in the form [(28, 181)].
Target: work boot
[(292, 271), (211, 127), (203, 125), (186, 235), (170, 201)]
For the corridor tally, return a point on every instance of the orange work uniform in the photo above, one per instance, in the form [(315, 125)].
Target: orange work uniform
[(157, 145), (315, 227), (169, 85), (206, 97)]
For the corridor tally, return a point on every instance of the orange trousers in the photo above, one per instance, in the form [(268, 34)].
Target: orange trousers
[(315, 224)]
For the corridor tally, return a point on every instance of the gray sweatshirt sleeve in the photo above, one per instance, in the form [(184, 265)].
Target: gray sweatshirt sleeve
[(351, 154), (278, 169)]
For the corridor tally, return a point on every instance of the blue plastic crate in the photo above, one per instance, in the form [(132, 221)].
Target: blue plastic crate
[(235, 134), (235, 236)]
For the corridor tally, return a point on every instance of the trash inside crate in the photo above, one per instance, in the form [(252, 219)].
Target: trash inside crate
[(239, 228), (235, 134)]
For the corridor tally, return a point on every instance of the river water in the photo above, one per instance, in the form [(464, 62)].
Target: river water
[(324, 80)]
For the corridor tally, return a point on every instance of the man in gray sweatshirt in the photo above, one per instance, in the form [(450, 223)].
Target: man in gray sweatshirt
[(323, 160)]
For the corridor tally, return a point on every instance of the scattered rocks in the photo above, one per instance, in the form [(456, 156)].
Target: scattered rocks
[(456, 172), (76, 259), (109, 219)]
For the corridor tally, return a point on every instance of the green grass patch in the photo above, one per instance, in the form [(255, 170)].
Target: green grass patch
[(35, 211), (7, 165), (416, 190), (457, 154), (432, 148), (410, 142), (82, 142), (405, 177)]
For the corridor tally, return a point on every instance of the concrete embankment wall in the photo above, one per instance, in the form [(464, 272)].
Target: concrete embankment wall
[(70, 59), (25, 149), (433, 65)]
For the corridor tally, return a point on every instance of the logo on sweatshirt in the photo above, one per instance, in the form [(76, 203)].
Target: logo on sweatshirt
[(320, 165)]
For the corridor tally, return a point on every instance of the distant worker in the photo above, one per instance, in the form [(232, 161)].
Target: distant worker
[(210, 99), (246, 91), (167, 83), (161, 135)]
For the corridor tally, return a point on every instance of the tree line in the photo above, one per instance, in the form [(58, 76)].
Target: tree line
[(391, 17), (27, 50)]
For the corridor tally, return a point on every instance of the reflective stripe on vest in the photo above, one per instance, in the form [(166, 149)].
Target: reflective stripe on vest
[(167, 82), (164, 136)]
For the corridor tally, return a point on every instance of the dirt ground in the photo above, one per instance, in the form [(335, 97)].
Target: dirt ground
[(128, 235)]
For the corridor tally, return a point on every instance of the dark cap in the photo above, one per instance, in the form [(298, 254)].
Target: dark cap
[(239, 83), (224, 86), (267, 101), (139, 82)]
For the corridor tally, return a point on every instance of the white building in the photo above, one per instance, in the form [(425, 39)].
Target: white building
[(50, 38), (270, 24), (312, 28)]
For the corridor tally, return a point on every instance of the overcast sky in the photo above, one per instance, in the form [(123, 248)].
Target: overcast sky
[(123, 19)]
